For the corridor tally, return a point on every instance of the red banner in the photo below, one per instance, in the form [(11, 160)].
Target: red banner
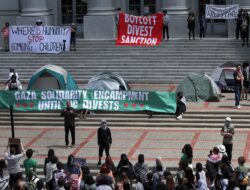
[(139, 30)]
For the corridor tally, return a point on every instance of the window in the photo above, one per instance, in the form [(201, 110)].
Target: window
[(135, 7), (149, 7), (142, 7), (67, 11)]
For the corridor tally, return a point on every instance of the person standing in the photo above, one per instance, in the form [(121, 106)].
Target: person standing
[(5, 34), (73, 37), (241, 174), (245, 29), (39, 22), (4, 175), (227, 131), (238, 24), (191, 25), (166, 20), (141, 168), (13, 164), (29, 164), (104, 139), (69, 115), (245, 73), (203, 25), (118, 10), (238, 79)]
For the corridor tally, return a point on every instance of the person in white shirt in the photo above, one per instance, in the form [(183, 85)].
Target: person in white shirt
[(13, 164), (166, 20), (13, 76), (4, 175)]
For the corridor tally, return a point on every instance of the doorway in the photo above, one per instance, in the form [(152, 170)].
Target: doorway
[(142, 7), (215, 27)]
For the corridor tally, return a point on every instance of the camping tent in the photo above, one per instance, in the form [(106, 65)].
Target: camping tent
[(52, 77), (223, 76), (107, 81), (198, 87)]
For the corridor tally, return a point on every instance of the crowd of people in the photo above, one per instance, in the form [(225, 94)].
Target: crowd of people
[(216, 174), (242, 26)]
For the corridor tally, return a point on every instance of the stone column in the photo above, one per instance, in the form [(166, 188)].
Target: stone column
[(9, 10), (99, 22), (32, 10), (178, 12)]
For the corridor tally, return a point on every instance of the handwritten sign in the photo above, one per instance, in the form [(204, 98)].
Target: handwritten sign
[(39, 39)]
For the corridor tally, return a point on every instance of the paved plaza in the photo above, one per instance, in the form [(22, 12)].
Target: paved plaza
[(152, 142), (166, 143)]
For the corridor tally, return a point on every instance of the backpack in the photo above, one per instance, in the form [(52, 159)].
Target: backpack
[(242, 179), (31, 185), (13, 83)]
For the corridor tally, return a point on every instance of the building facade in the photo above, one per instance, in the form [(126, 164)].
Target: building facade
[(95, 18)]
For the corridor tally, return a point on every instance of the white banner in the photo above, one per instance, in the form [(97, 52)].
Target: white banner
[(222, 11), (39, 39)]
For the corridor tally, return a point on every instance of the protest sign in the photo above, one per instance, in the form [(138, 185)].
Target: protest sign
[(39, 39), (139, 30), (222, 11), (89, 99)]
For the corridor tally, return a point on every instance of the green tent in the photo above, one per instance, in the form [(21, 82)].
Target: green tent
[(198, 87), (52, 77)]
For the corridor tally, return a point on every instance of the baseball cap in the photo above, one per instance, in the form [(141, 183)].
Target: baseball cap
[(228, 119)]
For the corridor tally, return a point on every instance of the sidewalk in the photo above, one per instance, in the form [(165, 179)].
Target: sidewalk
[(166, 143)]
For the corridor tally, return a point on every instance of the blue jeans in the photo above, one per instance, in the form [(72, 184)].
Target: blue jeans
[(237, 94)]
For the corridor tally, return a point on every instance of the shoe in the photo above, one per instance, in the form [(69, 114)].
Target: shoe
[(73, 146), (243, 44), (179, 117), (238, 107), (99, 163), (67, 146)]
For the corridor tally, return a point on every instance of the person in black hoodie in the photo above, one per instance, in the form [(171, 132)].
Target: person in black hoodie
[(148, 184), (69, 115), (125, 166), (104, 140)]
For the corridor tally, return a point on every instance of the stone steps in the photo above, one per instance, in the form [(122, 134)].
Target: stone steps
[(167, 63), (209, 119)]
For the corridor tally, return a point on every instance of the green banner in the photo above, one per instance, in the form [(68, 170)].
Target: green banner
[(89, 99)]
